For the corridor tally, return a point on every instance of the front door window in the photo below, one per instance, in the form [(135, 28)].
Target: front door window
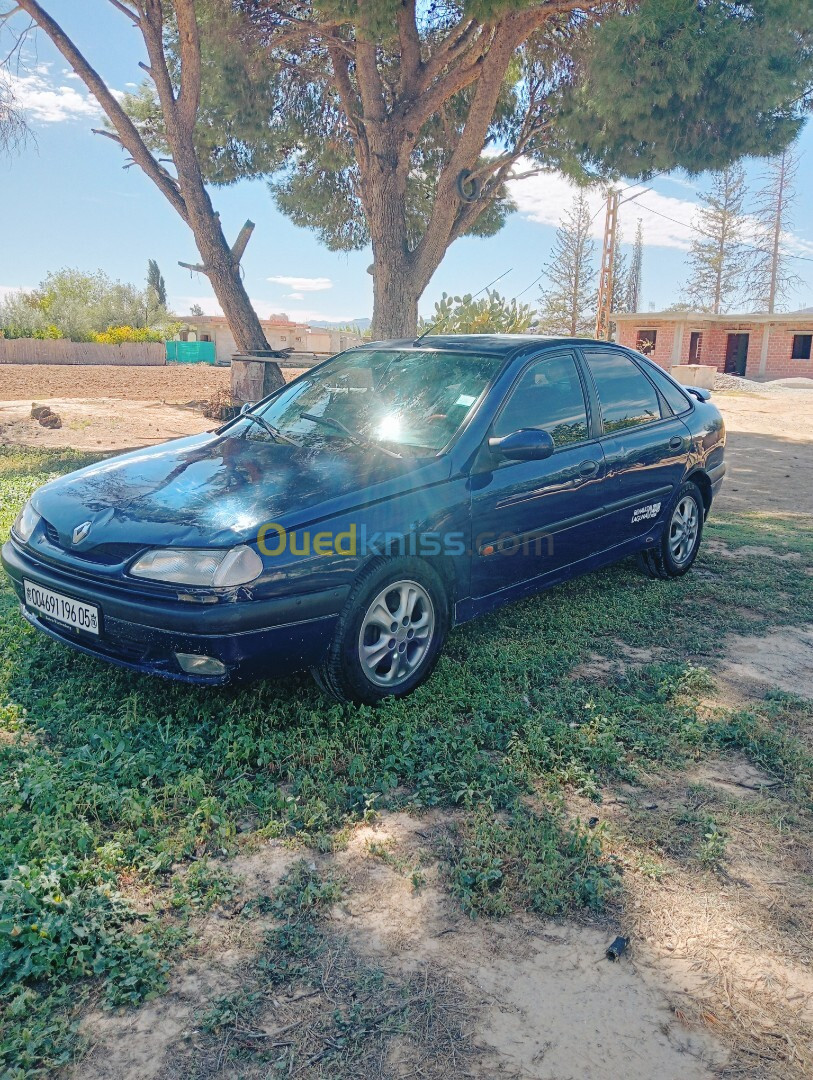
[(549, 396)]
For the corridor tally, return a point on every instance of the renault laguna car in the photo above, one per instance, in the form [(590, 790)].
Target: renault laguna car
[(346, 522)]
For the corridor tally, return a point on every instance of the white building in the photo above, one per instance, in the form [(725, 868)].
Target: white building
[(281, 333)]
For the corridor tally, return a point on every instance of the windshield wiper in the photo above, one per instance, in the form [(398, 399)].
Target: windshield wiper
[(274, 432), (353, 436)]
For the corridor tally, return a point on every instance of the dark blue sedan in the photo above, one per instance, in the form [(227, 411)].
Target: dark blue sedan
[(348, 521)]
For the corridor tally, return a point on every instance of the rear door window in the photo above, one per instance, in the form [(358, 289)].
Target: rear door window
[(626, 397)]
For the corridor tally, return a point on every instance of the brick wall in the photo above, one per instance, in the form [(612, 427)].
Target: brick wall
[(627, 335), (778, 362)]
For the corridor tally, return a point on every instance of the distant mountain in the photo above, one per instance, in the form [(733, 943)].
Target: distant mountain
[(362, 324)]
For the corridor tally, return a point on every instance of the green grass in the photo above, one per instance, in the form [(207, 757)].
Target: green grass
[(109, 780)]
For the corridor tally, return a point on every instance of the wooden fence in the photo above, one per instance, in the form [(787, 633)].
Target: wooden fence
[(33, 351)]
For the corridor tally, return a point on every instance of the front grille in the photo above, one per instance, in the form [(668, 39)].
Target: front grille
[(106, 554)]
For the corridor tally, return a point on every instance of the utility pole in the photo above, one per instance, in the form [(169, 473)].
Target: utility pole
[(606, 274), (777, 231)]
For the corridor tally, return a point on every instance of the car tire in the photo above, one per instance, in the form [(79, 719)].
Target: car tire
[(389, 635), (673, 556)]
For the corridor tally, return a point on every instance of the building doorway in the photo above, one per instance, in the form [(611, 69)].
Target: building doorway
[(736, 354), (695, 347)]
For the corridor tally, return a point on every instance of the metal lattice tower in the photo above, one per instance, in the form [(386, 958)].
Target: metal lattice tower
[(605, 282)]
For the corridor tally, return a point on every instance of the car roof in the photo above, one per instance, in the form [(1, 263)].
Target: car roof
[(493, 344)]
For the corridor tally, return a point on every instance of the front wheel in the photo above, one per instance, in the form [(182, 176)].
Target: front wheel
[(681, 537), (389, 635)]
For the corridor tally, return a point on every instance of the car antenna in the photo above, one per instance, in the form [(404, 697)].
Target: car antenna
[(429, 329)]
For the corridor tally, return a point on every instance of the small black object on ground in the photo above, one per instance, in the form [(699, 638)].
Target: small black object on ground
[(617, 948)]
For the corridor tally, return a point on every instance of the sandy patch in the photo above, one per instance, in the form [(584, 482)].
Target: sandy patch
[(781, 658), (769, 450), (600, 668), (730, 944), (733, 775), (100, 424), (759, 551), (548, 1003)]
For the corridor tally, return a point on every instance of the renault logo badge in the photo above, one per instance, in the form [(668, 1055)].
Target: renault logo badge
[(80, 532)]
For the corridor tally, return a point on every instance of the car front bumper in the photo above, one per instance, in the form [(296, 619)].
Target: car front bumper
[(252, 639)]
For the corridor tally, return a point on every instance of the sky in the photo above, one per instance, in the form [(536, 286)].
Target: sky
[(66, 200)]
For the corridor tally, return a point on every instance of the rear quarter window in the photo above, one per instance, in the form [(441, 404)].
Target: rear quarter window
[(627, 398), (678, 401)]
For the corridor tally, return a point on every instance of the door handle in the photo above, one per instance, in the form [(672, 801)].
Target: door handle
[(675, 443), (588, 468)]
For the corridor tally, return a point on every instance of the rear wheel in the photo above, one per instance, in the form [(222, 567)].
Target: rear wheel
[(681, 537), (389, 635)]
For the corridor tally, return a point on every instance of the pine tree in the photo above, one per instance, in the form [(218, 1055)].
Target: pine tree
[(718, 258), (632, 292), (620, 274), (156, 283), (772, 278), (568, 304)]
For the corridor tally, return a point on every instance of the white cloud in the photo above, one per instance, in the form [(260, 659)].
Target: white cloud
[(295, 296), (667, 221), (47, 102), (303, 284), (547, 197)]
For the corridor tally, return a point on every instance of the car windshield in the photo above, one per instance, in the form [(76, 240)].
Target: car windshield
[(406, 400)]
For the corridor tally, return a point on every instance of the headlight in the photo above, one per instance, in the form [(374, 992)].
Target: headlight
[(26, 522), (196, 566)]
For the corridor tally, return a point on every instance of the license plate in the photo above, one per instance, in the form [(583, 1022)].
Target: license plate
[(62, 609)]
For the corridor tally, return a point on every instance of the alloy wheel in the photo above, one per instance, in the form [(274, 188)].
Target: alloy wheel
[(396, 633), (683, 529)]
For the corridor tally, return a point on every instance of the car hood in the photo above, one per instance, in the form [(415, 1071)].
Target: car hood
[(218, 489)]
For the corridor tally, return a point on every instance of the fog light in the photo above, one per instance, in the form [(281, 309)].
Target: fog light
[(193, 664)]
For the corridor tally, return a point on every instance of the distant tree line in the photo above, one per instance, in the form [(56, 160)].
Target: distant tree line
[(83, 306)]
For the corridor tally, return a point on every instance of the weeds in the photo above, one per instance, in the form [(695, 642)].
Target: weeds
[(109, 778), (534, 860)]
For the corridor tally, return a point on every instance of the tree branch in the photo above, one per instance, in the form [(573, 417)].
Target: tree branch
[(189, 47), (344, 87), (126, 11), (410, 48), (453, 47), (126, 129)]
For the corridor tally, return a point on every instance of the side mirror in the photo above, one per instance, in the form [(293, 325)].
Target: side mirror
[(247, 406), (527, 444)]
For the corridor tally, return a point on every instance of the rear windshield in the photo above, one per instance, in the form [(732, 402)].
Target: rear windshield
[(409, 398)]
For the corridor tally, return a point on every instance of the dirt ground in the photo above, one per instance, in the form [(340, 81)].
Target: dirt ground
[(769, 450), (523, 998), (104, 408)]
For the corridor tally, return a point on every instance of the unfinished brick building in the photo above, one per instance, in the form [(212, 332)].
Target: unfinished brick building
[(757, 346)]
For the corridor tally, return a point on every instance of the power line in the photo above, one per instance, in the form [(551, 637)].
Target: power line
[(692, 228)]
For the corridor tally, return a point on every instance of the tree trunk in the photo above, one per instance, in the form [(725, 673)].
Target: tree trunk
[(396, 275), (395, 295), (224, 274)]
